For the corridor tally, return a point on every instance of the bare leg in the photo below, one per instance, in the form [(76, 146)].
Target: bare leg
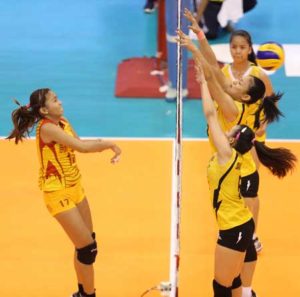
[(247, 273), (228, 265), (80, 234), (237, 292), (84, 210), (248, 268)]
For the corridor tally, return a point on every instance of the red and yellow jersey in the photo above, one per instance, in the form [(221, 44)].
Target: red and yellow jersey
[(58, 168), (224, 183), (251, 108)]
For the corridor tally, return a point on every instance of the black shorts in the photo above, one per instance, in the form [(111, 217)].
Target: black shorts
[(238, 238), (251, 253), (249, 185)]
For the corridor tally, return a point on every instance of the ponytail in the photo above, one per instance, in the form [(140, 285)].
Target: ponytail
[(270, 109), (279, 161), (26, 116), (23, 120)]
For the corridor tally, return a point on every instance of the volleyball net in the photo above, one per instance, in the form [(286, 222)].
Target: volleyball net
[(177, 64)]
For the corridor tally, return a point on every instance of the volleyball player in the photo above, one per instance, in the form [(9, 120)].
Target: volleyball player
[(244, 64), (248, 91), (234, 219), (60, 178)]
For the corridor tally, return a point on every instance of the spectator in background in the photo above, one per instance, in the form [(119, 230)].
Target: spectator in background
[(213, 15), (150, 6)]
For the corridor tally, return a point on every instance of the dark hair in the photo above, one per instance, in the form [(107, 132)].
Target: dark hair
[(243, 141), (270, 109), (278, 160), (25, 117), (247, 36), (256, 90)]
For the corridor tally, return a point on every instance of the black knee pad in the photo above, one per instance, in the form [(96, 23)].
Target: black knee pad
[(87, 254), (251, 253), (237, 282), (221, 291)]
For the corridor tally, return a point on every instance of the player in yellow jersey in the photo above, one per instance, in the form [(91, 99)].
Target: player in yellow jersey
[(234, 219), (244, 64), (59, 177)]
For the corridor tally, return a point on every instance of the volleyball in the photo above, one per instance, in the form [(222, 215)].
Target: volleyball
[(270, 55)]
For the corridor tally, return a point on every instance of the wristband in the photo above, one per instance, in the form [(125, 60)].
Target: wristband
[(201, 35)]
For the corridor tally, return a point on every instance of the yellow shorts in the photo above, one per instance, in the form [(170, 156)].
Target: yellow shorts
[(63, 200)]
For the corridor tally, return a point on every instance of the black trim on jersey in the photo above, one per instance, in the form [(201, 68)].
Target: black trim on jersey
[(217, 204), (242, 114)]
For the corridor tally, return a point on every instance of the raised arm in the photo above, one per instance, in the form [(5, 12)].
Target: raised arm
[(206, 49), (225, 102), (52, 133), (224, 150)]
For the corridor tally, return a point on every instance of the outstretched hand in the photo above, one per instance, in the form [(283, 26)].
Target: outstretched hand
[(194, 24), (185, 41), (116, 157)]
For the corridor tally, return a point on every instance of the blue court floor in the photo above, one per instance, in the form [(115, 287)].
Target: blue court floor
[(74, 48)]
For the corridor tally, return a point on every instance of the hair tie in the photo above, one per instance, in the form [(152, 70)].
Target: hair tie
[(237, 135), (253, 140), (27, 106), (17, 102)]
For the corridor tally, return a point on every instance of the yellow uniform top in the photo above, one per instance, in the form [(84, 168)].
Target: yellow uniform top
[(225, 125), (251, 108), (58, 168), (248, 166), (223, 180)]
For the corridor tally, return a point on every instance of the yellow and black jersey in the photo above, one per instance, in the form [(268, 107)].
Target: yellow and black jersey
[(250, 109), (225, 124), (58, 168), (224, 183)]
